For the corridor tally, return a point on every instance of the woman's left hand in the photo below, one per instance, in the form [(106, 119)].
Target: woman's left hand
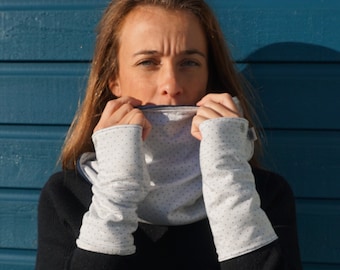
[(213, 106)]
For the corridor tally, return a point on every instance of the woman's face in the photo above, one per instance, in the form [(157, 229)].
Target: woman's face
[(162, 57)]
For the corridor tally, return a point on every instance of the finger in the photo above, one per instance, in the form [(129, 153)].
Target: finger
[(115, 110), (224, 99), (112, 115), (146, 129), (123, 115), (211, 109), (136, 117), (114, 104), (213, 106), (195, 131)]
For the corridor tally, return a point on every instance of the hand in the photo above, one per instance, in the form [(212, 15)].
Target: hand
[(122, 111), (213, 106)]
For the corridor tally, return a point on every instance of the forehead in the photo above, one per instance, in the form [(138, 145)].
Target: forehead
[(148, 11), (157, 22)]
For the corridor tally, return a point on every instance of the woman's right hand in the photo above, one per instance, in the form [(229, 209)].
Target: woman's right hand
[(122, 111)]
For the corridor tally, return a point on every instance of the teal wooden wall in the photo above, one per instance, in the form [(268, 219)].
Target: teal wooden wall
[(290, 50)]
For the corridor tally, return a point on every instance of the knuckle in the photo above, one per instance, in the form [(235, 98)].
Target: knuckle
[(227, 96), (111, 104)]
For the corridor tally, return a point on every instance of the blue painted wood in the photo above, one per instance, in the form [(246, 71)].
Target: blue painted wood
[(17, 259), (51, 31), (51, 4), (29, 154), (18, 218), (252, 25), (309, 160), (46, 93), (321, 266), (296, 96), (49, 93), (290, 46), (48, 34), (319, 223)]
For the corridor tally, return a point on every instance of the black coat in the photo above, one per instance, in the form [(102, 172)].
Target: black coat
[(67, 196)]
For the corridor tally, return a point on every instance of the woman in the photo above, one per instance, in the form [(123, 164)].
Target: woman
[(156, 171)]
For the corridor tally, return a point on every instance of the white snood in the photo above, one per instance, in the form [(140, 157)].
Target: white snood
[(178, 181)]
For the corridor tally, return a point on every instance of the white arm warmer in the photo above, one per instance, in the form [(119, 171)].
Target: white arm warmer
[(232, 203), (120, 185)]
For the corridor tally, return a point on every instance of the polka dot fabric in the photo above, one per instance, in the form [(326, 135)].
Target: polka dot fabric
[(159, 181), (120, 183), (237, 222), (172, 157)]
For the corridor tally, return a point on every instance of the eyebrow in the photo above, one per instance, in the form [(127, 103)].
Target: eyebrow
[(185, 52)]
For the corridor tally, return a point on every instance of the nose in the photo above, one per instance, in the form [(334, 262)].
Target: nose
[(169, 85)]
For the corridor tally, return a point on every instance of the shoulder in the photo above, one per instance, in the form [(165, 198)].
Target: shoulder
[(63, 201), (69, 183), (65, 194), (272, 188), (268, 179)]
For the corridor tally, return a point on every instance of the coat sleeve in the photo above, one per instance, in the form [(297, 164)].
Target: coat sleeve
[(277, 200), (59, 217), (238, 223)]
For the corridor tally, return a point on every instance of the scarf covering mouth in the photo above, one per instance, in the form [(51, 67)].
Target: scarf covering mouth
[(172, 159), (163, 180), (171, 152)]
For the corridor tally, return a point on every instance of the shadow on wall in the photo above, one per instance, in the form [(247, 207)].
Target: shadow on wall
[(294, 52), (302, 77), (298, 86)]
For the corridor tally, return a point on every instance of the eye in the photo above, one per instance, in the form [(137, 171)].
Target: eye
[(190, 63), (147, 63)]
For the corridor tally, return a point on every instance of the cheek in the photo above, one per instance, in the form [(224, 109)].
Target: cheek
[(138, 88), (201, 84), (195, 91)]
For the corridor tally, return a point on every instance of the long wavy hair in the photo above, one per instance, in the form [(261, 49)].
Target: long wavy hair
[(223, 76)]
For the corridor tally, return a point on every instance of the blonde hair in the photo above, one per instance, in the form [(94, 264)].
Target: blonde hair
[(222, 74)]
